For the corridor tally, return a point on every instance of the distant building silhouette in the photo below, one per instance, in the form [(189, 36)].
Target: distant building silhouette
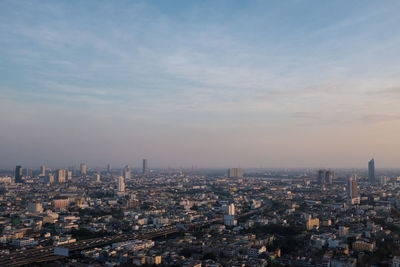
[(371, 171), (18, 174), (28, 172), (127, 172), (325, 176), (83, 169), (42, 171), (235, 173), (145, 169), (108, 167)]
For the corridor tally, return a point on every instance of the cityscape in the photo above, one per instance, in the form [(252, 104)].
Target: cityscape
[(145, 216), (204, 133)]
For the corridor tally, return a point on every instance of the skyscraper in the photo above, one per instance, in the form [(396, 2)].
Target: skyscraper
[(120, 185), (235, 173), (371, 171), (352, 187), (83, 169), (127, 172), (108, 167), (145, 167), (68, 175), (42, 171), (352, 190), (325, 176), (18, 174), (60, 175)]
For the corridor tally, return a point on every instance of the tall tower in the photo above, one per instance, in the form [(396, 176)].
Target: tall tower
[(145, 169), (127, 172), (108, 167), (352, 190), (83, 169), (42, 171), (18, 174), (60, 175), (352, 187), (371, 171), (121, 184), (321, 176)]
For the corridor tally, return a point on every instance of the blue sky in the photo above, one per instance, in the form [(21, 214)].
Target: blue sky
[(211, 83)]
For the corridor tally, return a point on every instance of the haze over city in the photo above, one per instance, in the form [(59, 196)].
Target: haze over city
[(210, 83)]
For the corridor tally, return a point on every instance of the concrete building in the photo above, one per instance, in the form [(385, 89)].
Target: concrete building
[(60, 176), (83, 169), (42, 171), (229, 218), (325, 177), (35, 208), (311, 223), (352, 191), (127, 173), (371, 171), (68, 174), (61, 203), (235, 173), (18, 174), (343, 231), (120, 185)]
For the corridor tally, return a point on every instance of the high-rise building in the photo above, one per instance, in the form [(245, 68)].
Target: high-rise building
[(50, 178), (121, 184), (18, 174), (371, 171), (352, 187), (127, 172), (42, 171), (68, 174), (145, 169), (325, 176), (229, 219), (83, 169), (321, 176), (231, 209), (108, 167), (235, 173), (60, 176), (352, 190)]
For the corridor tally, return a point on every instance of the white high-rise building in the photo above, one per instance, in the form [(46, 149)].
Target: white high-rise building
[(231, 210), (121, 184), (229, 219)]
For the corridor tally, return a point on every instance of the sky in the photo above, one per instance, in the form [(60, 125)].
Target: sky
[(206, 83)]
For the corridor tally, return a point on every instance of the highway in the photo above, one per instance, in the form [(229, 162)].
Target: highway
[(43, 254)]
